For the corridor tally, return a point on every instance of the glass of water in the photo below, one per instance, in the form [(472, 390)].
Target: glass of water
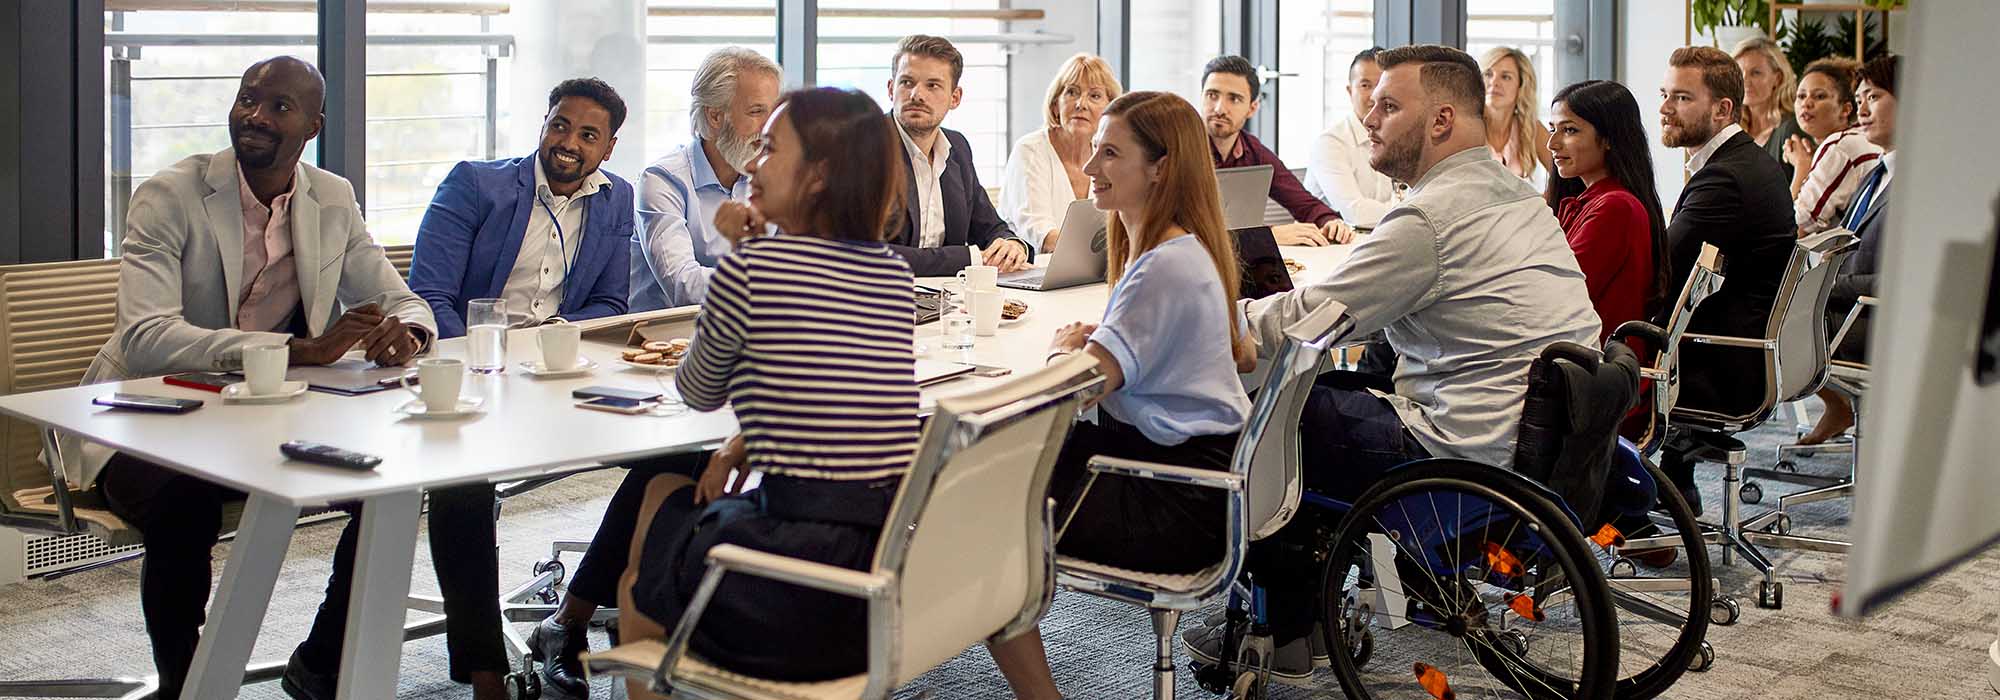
[(486, 335), (956, 307)]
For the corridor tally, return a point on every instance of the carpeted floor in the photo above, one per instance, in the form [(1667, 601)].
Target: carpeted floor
[(1931, 644)]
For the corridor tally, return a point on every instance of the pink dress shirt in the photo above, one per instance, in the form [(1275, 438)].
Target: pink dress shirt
[(270, 291)]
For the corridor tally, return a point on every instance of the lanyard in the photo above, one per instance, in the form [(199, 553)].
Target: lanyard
[(562, 239)]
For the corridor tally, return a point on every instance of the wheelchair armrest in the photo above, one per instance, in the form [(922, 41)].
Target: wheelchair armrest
[(725, 558), (1166, 472), (1654, 337)]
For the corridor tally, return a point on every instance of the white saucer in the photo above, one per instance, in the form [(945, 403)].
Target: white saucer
[(1004, 321), (535, 368), (415, 408), (240, 393), (655, 369)]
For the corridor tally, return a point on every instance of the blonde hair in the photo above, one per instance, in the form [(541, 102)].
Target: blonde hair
[(1527, 117), (1083, 70), (1171, 133), (1788, 83)]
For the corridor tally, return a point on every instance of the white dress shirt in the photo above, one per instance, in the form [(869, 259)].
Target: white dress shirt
[(1035, 193), (678, 246), (1338, 173), (929, 171), (1699, 157), (548, 246)]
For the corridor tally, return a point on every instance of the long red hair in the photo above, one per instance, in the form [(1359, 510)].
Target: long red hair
[(1171, 134)]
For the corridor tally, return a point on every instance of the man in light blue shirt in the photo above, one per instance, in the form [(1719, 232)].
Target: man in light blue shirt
[(677, 248)]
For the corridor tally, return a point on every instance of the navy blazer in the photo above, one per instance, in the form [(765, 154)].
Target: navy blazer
[(968, 215), (472, 233)]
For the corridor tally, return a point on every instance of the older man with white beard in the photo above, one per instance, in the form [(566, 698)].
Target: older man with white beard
[(677, 246)]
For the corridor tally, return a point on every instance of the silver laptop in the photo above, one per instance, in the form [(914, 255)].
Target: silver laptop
[(1244, 191), (1079, 255)]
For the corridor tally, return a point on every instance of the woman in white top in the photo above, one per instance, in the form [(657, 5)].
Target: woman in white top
[(1824, 179), (1045, 171), (1514, 128)]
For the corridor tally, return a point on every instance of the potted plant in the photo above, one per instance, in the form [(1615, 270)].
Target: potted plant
[(1729, 22), (1806, 40)]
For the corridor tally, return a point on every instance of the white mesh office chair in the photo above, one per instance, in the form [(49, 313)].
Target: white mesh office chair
[(1850, 380), (1264, 484), (964, 556)]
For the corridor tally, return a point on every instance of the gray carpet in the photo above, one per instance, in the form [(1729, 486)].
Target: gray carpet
[(1930, 644)]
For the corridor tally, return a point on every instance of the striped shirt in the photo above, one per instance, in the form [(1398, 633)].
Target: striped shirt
[(1838, 167), (809, 341)]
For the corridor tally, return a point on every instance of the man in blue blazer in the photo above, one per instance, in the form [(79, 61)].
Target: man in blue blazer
[(549, 233)]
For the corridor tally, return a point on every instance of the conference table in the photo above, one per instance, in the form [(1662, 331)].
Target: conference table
[(526, 427)]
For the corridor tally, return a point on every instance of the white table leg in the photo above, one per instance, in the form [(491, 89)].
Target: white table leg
[(373, 650), (238, 612)]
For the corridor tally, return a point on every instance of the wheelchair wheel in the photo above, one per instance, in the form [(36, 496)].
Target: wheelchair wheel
[(1661, 634), (1478, 553)]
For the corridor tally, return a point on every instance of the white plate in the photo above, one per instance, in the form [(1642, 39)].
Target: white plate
[(1004, 321), (240, 393), (655, 369), (536, 369), (415, 408)]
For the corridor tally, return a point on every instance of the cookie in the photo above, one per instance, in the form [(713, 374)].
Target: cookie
[(629, 355), (657, 346), (647, 358)]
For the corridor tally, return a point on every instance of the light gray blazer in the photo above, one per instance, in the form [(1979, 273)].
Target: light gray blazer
[(181, 271)]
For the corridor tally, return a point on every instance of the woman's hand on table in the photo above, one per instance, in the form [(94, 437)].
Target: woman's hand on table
[(1070, 338)]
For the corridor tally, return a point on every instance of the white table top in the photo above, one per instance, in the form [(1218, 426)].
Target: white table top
[(527, 426)]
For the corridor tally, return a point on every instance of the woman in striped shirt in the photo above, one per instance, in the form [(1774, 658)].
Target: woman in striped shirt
[(1170, 346), (1824, 179), (806, 335)]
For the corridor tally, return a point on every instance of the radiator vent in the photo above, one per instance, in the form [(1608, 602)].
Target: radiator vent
[(56, 553)]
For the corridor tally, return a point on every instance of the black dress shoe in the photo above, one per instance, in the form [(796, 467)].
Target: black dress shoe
[(557, 649), (303, 683)]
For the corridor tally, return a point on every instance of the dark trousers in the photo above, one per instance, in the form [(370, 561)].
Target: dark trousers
[(1377, 359), (596, 578), (1349, 439), (1139, 524), (179, 518)]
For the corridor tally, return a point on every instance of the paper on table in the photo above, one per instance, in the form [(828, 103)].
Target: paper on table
[(348, 376)]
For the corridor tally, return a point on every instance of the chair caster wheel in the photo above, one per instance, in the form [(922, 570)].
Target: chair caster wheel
[(555, 565), (1211, 678), (1724, 610), (1789, 466), (1704, 660), (1771, 595), (1246, 687), (1750, 493), (1781, 525), (1624, 567), (525, 686)]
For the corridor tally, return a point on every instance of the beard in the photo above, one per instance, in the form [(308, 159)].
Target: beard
[(1400, 156), (255, 157), (551, 169), (1692, 135), (736, 150), (919, 124)]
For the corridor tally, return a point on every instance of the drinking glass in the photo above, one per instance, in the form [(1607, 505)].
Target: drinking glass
[(956, 321), (486, 335)]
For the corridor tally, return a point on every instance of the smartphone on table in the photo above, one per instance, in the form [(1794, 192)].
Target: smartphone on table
[(142, 402)]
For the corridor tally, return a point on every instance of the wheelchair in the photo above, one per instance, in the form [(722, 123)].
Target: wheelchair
[(1495, 585)]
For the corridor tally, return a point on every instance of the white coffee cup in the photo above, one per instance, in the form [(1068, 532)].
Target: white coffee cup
[(264, 368), (438, 382), (980, 278), (558, 343), (986, 312)]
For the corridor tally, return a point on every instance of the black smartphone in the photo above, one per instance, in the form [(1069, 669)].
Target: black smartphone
[(142, 402), (592, 392), (329, 455)]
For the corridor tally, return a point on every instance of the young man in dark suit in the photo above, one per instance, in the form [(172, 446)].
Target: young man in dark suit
[(1737, 199), (947, 221)]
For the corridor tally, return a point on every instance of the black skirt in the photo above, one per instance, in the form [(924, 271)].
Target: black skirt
[(756, 626), (1140, 524)]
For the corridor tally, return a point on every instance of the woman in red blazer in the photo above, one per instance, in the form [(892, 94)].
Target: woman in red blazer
[(1604, 197)]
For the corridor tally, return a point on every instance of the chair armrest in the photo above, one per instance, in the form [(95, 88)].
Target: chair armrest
[(1865, 300), (1728, 340), (728, 557), (1853, 314), (1654, 336), (1166, 472)]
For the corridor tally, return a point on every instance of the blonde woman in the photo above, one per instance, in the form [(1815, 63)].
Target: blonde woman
[(1768, 85), (1514, 129), (1045, 171)]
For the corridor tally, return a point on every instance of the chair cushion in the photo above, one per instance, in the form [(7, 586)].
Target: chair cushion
[(1171, 583), (700, 672), (97, 521)]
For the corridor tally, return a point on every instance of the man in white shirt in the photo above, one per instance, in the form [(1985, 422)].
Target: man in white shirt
[(1338, 171), (947, 221), (677, 247)]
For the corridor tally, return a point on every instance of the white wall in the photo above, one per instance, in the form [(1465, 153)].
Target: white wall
[(1648, 32), (556, 41)]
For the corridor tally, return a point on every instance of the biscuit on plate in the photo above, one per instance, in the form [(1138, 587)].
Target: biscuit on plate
[(647, 358)]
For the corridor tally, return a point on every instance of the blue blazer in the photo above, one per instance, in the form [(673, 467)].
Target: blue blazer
[(472, 233)]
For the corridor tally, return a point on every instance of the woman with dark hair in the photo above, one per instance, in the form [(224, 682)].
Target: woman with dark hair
[(1604, 197), (831, 464), (1824, 179)]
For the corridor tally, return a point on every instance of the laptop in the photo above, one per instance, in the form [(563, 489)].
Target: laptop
[(1243, 193), (1264, 272), (1079, 257)]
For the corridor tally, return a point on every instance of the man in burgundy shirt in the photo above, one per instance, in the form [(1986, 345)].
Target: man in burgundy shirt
[(1230, 95)]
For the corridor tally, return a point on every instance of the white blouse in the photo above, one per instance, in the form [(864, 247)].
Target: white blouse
[(1035, 190)]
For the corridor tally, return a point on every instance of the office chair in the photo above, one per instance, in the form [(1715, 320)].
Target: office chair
[(964, 556), (1850, 380)]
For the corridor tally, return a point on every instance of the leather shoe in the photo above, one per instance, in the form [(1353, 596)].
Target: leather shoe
[(552, 644), (301, 683)]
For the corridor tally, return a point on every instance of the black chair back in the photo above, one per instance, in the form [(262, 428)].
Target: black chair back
[(1569, 425)]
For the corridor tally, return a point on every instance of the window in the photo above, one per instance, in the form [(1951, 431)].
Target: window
[(1317, 40), (436, 83), (856, 48), (677, 38), (1171, 41), (1528, 25), (170, 77)]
